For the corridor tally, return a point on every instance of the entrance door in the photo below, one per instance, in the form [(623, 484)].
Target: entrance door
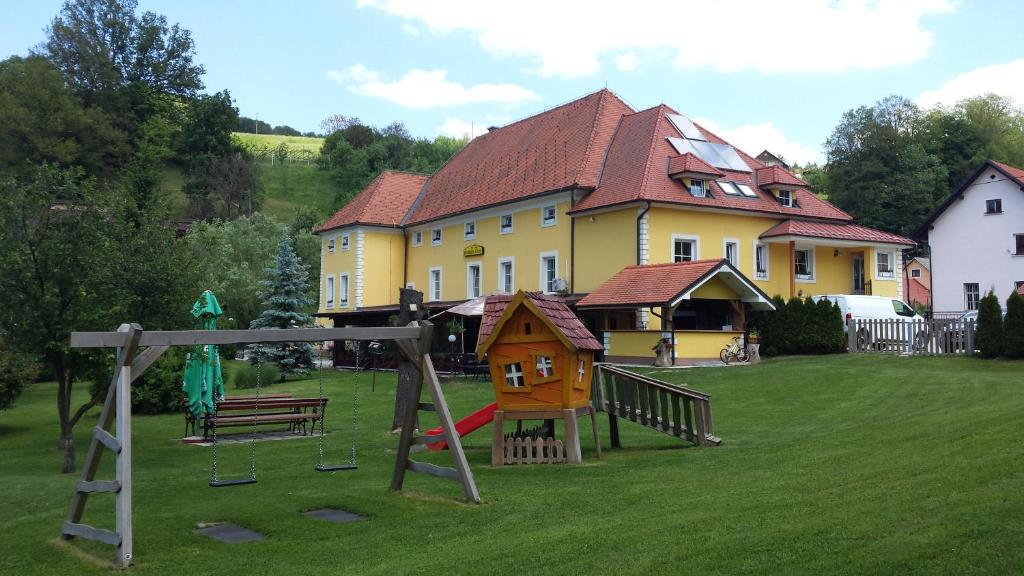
[(858, 273)]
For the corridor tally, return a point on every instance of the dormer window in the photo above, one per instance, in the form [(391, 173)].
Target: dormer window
[(697, 188), (786, 198)]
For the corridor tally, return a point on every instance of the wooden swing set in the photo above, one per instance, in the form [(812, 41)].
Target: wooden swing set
[(138, 349)]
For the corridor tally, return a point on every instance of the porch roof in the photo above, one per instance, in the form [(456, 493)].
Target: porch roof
[(798, 229), (650, 285)]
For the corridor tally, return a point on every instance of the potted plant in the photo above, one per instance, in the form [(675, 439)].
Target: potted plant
[(753, 337)]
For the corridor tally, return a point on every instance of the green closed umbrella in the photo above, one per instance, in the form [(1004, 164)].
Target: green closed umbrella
[(204, 383)]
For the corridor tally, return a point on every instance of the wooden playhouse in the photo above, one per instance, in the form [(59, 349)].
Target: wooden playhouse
[(541, 358)]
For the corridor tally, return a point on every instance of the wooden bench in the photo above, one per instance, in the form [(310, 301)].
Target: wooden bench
[(296, 412), (190, 418)]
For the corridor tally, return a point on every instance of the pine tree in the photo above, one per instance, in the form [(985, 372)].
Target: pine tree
[(1013, 326), (989, 336), (284, 298)]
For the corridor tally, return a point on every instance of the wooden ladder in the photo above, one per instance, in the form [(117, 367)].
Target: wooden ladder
[(679, 412), (460, 472)]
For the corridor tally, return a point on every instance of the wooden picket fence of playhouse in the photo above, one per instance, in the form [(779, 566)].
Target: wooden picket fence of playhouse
[(936, 336), (534, 451)]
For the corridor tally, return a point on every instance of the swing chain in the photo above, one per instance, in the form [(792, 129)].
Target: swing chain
[(213, 451), (256, 412), (355, 417), (320, 441)]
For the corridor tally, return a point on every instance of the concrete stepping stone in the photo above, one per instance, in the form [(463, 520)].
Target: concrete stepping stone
[(230, 533), (335, 515)]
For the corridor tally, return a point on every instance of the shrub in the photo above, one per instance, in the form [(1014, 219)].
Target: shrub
[(800, 327), (17, 371), (158, 390), (989, 338), (246, 374), (1013, 327)]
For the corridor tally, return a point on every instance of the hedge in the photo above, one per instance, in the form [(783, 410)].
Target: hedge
[(989, 338), (800, 326)]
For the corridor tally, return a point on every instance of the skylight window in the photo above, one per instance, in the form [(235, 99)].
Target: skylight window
[(746, 191), (729, 188)]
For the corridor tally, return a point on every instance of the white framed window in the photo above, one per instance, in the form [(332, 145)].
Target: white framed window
[(544, 366), (417, 238), (435, 237), (514, 375), (915, 273), (330, 245), (548, 215), (685, 248), (344, 242), (548, 271), (506, 275), (731, 251), (435, 284), (804, 264), (697, 188), (994, 206), (469, 231), (474, 283), (761, 253), (329, 292), (884, 267), (505, 223), (971, 295), (343, 290), (786, 198)]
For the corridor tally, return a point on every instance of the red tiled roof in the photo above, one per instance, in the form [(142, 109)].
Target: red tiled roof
[(552, 307), (635, 170), (777, 175), (648, 284), (834, 231), (1021, 290), (1015, 173), (384, 202), (689, 163), (554, 150)]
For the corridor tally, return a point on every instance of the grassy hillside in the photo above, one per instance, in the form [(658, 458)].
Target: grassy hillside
[(289, 188), (273, 140)]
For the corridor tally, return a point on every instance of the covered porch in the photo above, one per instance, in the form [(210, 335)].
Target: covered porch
[(696, 308)]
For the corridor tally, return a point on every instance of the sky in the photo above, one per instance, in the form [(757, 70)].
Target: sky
[(762, 75)]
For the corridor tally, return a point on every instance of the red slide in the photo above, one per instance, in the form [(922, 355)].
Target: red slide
[(481, 417)]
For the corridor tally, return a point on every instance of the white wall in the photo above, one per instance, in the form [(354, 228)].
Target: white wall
[(970, 246)]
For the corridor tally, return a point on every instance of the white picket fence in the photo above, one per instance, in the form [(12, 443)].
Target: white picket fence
[(937, 336)]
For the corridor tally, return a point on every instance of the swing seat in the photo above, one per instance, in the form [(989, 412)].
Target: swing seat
[(335, 467), (236, 482)]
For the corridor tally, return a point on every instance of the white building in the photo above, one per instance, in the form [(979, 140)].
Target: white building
[(977, 239)]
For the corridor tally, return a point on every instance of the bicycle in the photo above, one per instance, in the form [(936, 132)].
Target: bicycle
[(733, 351)]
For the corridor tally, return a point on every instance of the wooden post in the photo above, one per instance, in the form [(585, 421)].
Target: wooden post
[(851, 335), (409, 376), (572, 437), (498, 438), (123, 467)]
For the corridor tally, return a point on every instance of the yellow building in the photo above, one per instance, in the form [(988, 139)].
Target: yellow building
[(564, 201)]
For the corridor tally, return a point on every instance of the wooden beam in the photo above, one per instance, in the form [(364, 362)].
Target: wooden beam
[(72, 529), (98, 486), (145, 359), (434, 470), (464, 474), (108, 440), (194, 337)]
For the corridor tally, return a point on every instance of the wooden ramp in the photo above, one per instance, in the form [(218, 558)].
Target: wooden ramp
[(674, 410)]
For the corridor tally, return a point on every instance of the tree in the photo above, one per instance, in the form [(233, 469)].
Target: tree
[(42, 121), (17, 371), (102, 46), (410, 308), (1013, 326), (284, 298), (336, 122), (879, 170), (989, 337), (71, 259), (223, 187), (208, 126)]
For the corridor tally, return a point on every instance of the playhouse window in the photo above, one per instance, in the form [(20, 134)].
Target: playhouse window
[(580, 371), (545, 367), (514, 375)]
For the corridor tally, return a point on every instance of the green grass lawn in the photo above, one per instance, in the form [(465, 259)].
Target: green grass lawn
[(838, 465), (291, 187)]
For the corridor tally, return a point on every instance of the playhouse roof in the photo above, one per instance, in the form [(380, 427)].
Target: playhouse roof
[(550, 309)]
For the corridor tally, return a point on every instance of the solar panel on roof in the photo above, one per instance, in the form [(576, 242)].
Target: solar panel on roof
[(746, 191), (709, 153), (731, 158), (685, 126)]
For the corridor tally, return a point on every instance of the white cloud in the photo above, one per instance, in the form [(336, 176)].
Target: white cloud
[(410, 29), (741, 35), (753, 138), (422, 89), (460, 128), (627, 62), (1002, 79)]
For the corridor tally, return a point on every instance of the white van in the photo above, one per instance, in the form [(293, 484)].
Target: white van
[(860, 307)]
